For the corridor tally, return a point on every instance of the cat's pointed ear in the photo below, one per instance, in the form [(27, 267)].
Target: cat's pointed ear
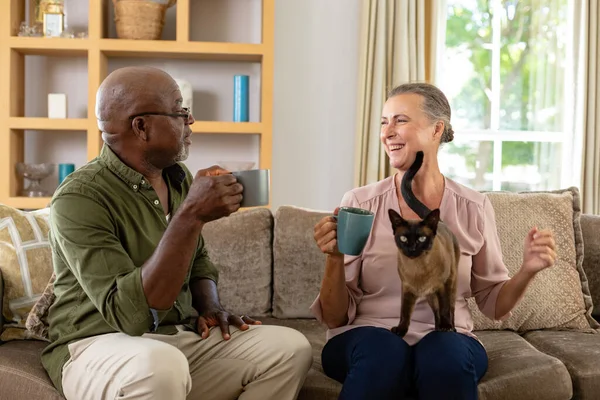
[(432, 219), (396, 219)]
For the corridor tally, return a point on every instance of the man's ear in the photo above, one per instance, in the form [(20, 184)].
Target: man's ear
[(140, 128)]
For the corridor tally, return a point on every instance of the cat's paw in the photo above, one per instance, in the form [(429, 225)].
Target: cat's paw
[(399, 330)]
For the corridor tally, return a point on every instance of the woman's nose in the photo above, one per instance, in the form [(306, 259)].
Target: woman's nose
[(388, 130)]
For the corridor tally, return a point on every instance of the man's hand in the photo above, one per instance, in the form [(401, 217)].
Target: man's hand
[(215, 170), (217, 316), (214, 193)]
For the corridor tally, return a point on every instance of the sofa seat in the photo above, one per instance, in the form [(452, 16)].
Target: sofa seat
[(317, 385), (579, 352), (517, 370), (22, 376)]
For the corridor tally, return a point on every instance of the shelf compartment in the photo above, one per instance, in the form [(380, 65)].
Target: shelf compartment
[(182, 50), (212, 85), (44, 75), (41, 46), (40, 146), (211, 127), (207, 150), (231, 21), (48, 124), (28, 203)]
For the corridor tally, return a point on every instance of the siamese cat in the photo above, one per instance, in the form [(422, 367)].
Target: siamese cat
[(428, 255)]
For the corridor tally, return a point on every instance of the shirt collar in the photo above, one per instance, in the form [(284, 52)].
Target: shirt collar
[(130, 176)]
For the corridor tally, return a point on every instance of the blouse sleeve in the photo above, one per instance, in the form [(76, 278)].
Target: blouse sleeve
[(352, 266), (489, 273)]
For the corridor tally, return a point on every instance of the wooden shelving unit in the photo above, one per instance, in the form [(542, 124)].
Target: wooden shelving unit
[(98, 49), (67, 124)]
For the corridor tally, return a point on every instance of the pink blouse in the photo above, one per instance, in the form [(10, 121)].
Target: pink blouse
[(372, 280)]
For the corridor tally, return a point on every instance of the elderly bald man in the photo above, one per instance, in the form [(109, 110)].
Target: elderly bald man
[(137, 313)]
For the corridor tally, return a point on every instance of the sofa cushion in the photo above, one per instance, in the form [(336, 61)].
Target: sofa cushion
[(1, 301), (299, 263), (317, 385), (579, 352), (518, 371), (26, 265), (559, 296), (590, 226), (22, 376), (240, 246)]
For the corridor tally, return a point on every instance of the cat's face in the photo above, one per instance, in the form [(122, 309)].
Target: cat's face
[(414, 238)]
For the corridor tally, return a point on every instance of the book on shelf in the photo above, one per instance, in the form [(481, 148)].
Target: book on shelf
[(240, 98)]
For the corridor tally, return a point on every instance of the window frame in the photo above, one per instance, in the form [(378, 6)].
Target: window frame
[(569, 173)]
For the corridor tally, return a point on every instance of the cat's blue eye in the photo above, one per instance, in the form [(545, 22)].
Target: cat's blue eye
[(422, 239), (403, 238)]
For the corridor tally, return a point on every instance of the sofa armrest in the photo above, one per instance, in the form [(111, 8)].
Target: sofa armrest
[(590, 227)]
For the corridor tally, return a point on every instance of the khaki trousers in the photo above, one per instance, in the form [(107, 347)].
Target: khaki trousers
[(264, 362)]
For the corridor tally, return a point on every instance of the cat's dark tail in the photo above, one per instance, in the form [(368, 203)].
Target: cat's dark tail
[(406, 188)]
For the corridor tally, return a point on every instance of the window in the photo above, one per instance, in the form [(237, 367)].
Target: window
[(505, 68)]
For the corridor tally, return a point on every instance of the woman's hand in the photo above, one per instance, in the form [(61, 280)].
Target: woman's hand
[(539, 251), (326, 235), (334, 293)]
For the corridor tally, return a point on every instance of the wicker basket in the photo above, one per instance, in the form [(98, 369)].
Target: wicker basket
[(140, 19)]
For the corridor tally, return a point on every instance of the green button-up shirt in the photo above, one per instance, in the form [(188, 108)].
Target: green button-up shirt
[(105, 222)]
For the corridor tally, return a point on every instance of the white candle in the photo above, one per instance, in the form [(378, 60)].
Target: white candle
[(57, 105)]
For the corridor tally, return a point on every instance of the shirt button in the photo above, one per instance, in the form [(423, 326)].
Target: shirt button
[(143, 182), (156, 202), (135, 187)]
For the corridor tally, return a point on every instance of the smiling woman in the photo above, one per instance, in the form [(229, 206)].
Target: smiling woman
[(362, 296), (416, 117), (361, 313)]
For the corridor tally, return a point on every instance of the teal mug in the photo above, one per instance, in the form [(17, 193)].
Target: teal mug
[(353, 229)]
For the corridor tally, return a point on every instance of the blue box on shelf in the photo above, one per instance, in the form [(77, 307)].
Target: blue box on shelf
[(240, 98)]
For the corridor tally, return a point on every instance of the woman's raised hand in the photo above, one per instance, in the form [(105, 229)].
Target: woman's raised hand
[(326, 234)]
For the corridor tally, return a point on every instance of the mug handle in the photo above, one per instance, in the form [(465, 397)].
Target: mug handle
[(336, 216)]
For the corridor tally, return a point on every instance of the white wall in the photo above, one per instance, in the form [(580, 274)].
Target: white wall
[(314, 117), (316, 45)]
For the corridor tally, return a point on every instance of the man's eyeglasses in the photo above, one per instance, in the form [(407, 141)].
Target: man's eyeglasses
[(185, 114)]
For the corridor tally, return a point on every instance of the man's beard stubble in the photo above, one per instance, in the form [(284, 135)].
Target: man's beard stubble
[(183, 154)]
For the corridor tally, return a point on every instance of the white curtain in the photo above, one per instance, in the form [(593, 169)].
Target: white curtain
[(397, 46), (587, 101)]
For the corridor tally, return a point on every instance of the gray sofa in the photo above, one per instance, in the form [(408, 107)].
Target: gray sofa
[(271, 269)]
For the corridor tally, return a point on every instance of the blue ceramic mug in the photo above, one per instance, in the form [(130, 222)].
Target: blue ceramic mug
[(353, 229)]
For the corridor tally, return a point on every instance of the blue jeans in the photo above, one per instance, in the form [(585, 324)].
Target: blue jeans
[(374, 363)]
